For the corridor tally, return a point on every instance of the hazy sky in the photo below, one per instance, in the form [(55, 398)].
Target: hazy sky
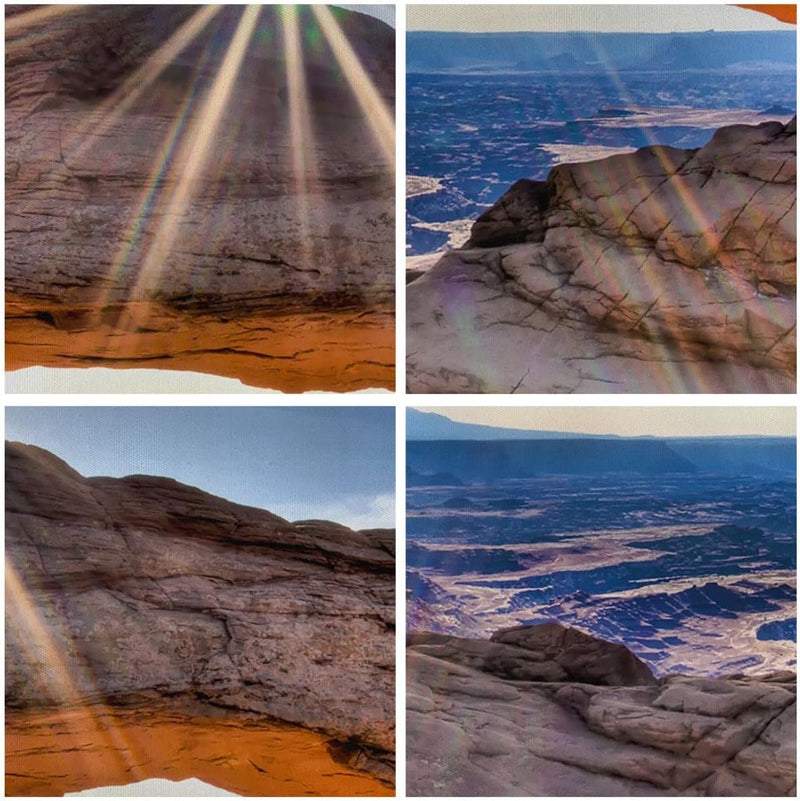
[(679, 421), (637, 18), (383, 12), (313, 462)]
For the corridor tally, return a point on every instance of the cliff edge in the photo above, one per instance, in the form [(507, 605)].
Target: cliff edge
[(550, 711), (664, 270)]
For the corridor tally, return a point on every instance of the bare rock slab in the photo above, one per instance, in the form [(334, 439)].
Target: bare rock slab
[(123, 590), (476, 728), (663, 270)]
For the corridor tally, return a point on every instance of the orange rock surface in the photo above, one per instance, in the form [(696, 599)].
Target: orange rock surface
[(49, 753), (784, 13), (292, 351)]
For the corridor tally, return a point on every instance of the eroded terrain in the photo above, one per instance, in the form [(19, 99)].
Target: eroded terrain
[(694, 573)]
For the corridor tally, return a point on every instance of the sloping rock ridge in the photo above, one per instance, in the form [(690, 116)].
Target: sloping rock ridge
[(547, 710), (664, 270), (141, 589), (270, 260)]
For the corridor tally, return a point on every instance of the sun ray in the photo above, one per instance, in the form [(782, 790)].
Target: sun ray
[(109, 113), (375, 110), (96, 126), (19, 24), (65, 685), (193, 156), (302, 141), (692, 205), (148, 198)]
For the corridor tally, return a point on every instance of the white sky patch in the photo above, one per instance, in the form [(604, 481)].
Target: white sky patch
[(639, 18), (632, 421), (92, 380), (356, 511), (156, 788)]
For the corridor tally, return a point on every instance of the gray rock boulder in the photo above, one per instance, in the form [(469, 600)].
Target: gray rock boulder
[(584, 658)]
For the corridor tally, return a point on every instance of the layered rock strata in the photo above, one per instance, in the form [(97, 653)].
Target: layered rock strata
[(546, 710), (664, 270), (269, 259), (135, 590)]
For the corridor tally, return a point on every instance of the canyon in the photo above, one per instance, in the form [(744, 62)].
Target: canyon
[(141, 604), (171, 206)]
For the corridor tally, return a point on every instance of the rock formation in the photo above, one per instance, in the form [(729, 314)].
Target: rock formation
[(664, 270), (140, 589), (270, 260), (546, 710)]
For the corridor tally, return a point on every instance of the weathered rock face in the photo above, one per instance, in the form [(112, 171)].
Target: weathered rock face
[(549, 652), (474, 728), (267, 260), (664, 270), (143, 588)]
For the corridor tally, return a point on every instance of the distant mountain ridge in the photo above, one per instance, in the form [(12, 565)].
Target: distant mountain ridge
[(583, 51), (509, 459), (471, 452)]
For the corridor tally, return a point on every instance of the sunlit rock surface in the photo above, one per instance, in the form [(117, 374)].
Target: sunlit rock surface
[(135, 590), (270, 260), (504, 717), (665, 270), (114, 748)]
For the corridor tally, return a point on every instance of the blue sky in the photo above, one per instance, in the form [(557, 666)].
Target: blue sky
[(311, 462)]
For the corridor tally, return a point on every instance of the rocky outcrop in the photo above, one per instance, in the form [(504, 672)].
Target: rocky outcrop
[(133, 590), (140, 233), (504, 717), (664, 270)]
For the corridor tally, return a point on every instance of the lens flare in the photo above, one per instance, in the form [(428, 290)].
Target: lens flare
[(375, 111), (304, 168), (194, 154), (60, 678)]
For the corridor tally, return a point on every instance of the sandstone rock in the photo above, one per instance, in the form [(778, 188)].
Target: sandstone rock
[(473, 731), (519, 216), (143, 587), (60, 752), (281, 259), (584, 658), (662, 270)]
